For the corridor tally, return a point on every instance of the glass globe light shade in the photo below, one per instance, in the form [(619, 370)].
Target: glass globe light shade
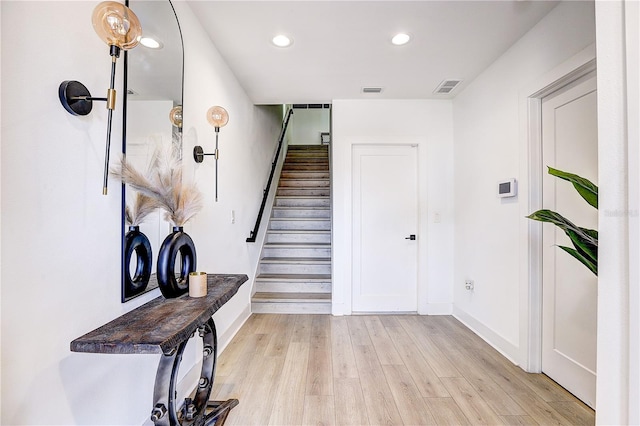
[(116, 25), (217, 116), (175, 116)]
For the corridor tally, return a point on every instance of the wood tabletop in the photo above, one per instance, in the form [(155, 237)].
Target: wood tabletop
[(161, 324)]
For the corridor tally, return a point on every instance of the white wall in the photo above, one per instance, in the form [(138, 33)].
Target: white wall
[(61, 236), (247, 144), (307, 124), (490, 144), (427, 124)]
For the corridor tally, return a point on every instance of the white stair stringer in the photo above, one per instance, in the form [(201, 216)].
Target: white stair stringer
[(294, 273)]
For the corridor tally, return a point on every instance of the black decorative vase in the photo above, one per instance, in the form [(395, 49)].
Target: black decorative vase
[(177, 243), (136, 241)]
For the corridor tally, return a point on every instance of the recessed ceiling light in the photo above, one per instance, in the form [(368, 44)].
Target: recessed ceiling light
[(281, 41), (400, 39), (150, 42)]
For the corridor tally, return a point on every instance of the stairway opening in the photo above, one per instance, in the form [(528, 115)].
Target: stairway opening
[(294, 271)]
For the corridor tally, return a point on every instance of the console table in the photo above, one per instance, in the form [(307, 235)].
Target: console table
[(163, 326)]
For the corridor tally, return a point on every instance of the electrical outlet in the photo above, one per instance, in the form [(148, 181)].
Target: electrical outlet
[(468, 284)]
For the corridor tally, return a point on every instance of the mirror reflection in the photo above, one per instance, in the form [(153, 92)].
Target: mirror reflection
[(153, 83)]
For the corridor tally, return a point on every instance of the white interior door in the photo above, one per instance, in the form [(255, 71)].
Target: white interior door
[(385, 215), (569, 132)]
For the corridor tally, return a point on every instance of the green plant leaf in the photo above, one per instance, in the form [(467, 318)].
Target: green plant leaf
[(587, 189), (584, 240), (557, 219), (593, 267), (583, 247), (592, 232)]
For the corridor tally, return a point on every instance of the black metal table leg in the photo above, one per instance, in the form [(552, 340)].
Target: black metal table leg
[(194, 411), (219, 411)]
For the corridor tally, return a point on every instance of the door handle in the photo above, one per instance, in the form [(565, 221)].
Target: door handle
[(411, 237)]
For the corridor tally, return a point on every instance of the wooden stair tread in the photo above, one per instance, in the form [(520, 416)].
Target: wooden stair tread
[(301, 219), (297, 260), (307, 188), (291, 297), (302, 197), (298, 231), (301, 208), (298, 245), (294, 277)]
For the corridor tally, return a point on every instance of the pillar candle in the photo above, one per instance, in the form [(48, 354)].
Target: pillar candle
[(197, 284)]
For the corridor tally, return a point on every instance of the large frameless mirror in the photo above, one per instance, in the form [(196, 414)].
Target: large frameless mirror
[(152, 119)]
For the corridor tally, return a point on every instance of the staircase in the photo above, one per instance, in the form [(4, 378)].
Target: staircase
[(294, 274)]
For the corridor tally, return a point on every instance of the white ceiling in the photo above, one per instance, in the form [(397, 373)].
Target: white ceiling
[(342, 46)]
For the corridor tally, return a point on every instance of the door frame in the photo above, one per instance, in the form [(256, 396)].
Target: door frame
[(577, 67)]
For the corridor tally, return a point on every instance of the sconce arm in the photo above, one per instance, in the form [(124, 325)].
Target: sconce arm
[(198, 154)]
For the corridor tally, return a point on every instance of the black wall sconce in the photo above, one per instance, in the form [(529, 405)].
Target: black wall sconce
[(120, 28), (217, 117)]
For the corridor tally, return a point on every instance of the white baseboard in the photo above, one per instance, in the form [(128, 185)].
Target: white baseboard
[(438, 309), (499, 343), (339, 309), (225, 338)]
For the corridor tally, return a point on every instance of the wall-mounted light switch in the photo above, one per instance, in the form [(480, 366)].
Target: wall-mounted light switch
[(233, 217)]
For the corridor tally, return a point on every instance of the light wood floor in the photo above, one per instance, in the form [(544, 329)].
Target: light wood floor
[(380, 370)]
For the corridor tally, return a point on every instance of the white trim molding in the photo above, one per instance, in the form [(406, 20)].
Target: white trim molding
[(569, 71), (496, 341), (632, 28)]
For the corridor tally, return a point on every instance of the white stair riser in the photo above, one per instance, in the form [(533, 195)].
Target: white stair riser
[(291, 308), (307, 164), (293, 268), (307, 155), (311, 167), (281, 237), (319, 149), (303, 183), (302, 202), (301, 224), (307, 159), (304, 175), (301, 213), (296, 252), (304, 192), (308, 148), (292, 287)]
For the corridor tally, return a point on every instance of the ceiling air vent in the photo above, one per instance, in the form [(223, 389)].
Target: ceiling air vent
[(447, 87), (371, 89), (310, 106)]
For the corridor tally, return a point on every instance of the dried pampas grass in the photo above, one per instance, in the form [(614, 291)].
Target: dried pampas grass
[(142, 207), (164, 184)]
